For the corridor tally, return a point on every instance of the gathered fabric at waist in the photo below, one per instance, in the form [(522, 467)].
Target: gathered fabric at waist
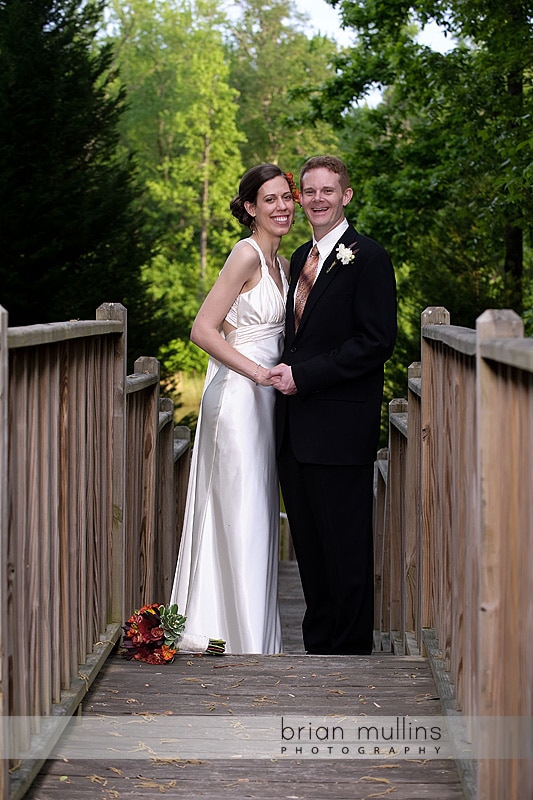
[(254, 333)]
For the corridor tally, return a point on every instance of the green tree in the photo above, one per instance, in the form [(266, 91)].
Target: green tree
[(272, 62), (444, 162), (441, 166), (68, 235), (180, 124), (276, 67)]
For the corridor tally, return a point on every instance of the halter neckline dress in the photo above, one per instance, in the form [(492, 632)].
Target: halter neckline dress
[(226, 579)]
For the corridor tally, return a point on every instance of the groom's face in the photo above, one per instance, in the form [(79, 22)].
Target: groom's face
[(323, 200)]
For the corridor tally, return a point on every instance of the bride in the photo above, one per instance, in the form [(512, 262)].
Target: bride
[(227, 569)]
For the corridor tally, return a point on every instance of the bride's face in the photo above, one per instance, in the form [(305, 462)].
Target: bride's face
[(274, 209)]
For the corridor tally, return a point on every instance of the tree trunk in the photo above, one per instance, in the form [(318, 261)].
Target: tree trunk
[(514, 264), (205, 216), (513, 235)]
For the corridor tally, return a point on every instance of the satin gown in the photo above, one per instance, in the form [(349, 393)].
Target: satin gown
[(226, 577)]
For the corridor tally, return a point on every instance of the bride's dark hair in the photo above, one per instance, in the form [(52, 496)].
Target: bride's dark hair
[(249, 186)]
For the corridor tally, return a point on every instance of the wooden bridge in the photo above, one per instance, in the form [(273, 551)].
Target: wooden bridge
[(93, 475)]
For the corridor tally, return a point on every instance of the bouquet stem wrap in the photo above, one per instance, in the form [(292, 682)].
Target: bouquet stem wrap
[(193, 643)]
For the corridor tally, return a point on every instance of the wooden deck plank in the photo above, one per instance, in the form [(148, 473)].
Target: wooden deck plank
[(327, 685), (309, 780), (291, 684)]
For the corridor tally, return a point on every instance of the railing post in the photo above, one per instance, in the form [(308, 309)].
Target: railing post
[(148, 365), (413, 539), (431, 316), (496, 539), (381, 558), (396, 519), (4, 682), (182, 463), (116, 311), (166, 527)]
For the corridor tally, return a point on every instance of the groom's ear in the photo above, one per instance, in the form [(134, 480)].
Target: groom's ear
[(347, 196)]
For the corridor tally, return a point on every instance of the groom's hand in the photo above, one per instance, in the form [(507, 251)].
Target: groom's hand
[(281, 379)]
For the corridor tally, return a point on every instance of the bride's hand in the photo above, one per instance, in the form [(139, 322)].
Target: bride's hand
[(262, 376)]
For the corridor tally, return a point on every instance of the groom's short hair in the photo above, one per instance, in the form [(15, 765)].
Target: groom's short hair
[(332, 163)]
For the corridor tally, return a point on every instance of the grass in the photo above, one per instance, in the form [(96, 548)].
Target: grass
[(186, 392)]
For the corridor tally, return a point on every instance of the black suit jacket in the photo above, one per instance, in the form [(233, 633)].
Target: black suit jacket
[(347, 332)]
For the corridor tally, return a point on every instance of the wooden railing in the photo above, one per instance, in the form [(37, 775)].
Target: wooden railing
[(454, 538), (92, 492), (93, 477)]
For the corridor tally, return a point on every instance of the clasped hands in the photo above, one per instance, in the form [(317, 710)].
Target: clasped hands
[(280, 377)]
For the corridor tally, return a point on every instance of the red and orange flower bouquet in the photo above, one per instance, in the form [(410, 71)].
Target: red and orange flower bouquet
[(155, 633)]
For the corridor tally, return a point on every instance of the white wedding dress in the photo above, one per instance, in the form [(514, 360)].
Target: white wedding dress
[(226, 577)]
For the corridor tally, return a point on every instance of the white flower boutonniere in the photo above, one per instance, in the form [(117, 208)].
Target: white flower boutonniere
[(345, 255)]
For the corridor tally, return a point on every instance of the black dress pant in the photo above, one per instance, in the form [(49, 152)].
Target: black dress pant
[(330, 516)]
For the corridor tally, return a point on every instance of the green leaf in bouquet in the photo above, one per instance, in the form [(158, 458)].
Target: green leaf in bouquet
[(173, 624)]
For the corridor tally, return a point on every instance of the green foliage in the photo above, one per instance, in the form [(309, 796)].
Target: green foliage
[(441, 167), (181, 125), (275, 67), (273, 63), (207, 99), (68, 233), (173, 624)]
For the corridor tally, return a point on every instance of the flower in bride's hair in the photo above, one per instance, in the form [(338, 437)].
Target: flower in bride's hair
[(155, 633), (292, 186)]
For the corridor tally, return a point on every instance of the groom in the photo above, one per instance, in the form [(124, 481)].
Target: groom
[(340, 330)]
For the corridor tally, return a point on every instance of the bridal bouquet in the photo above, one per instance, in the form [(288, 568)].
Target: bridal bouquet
[(155, 633)]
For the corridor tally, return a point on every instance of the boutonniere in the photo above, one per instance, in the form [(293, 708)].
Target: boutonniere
[(345, 255)]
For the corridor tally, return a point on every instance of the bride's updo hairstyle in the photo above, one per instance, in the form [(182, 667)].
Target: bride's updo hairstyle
[(249, 186)]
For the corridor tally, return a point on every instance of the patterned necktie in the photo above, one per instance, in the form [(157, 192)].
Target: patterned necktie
[(305, 284)]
